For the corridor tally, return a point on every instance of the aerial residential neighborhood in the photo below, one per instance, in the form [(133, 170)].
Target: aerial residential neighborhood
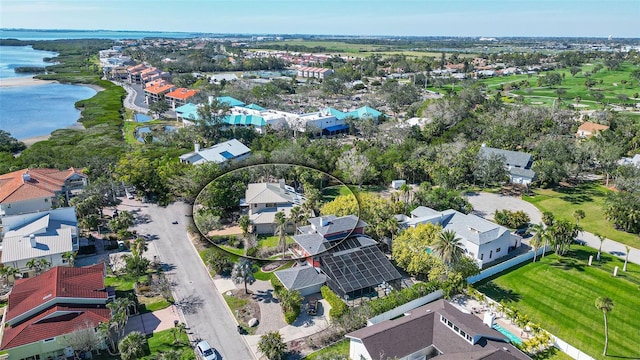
[(270, 188)]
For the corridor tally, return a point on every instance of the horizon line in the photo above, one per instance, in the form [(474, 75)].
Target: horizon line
[(328, 35)]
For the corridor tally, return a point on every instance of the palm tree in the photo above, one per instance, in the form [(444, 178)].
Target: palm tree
[(244, 222), (296, 217), (243, 272), (132, 346), (69, 257), (538, 239), (281, 231), (605, 305), (626, 259), (272, 345), (38, 265), (179, 329), (602, 239), (6, 272), (138, 247), (448, 248), (104, 331), (579, 215)]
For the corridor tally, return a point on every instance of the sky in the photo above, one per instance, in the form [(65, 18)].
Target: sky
[(576, 18)]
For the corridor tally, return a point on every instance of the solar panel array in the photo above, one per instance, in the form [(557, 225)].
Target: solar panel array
[(359, 269)]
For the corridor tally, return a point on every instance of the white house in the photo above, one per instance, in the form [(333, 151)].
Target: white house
[(481, 239), (47, 235), (232, 150)]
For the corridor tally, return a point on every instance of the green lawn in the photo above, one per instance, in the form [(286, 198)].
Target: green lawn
[(330, 193), (560, 293), (122, 283), (272, 241), (266, 276), (163, 341), (589, 197), (160, 342), (339, 348)]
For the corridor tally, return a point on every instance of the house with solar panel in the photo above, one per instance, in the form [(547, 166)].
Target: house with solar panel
[(322, 233), (337, 253), (228, 151)]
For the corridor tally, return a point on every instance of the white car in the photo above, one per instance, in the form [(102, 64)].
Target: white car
[(205, 351)]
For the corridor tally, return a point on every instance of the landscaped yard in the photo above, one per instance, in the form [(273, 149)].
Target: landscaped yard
[(272, 241), (560, 293), (339, 348), (588, 197), (163, 341)]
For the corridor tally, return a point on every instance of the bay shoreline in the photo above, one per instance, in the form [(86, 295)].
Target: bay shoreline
[(30, 81)]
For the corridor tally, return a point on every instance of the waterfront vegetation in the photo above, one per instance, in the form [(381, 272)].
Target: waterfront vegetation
[(559, 294)]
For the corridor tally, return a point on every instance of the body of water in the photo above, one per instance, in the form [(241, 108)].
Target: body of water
[(27, 34), (35, 110), (12, 57)]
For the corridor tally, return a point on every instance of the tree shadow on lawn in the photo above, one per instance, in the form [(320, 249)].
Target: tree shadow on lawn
[(579, 193), (566, 263), (499, 293)]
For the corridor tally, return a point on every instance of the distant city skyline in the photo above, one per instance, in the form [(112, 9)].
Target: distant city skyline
[(489, 18)]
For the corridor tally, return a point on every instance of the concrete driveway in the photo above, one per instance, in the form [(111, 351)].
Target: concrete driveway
[(151, 322), (485, 205), (206, 315)]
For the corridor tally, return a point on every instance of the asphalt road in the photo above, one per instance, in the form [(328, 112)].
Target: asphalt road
[(207, 318), (485, 204)]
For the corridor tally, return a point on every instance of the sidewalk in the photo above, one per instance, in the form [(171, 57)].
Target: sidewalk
[(272, 318), (149, 323)]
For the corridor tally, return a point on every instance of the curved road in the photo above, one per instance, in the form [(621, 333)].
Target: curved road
[(485, 204), (209, 318)]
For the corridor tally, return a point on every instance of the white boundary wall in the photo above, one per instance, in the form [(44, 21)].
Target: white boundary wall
[(569, 350), (503, 266), (406, 307)]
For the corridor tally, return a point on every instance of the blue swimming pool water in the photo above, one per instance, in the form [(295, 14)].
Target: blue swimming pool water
[(142, 117), (514, 339)]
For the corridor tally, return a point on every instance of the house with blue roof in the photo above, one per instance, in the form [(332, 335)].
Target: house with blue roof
[(187, 113), (364, 112), (228, 100), (232, 150)]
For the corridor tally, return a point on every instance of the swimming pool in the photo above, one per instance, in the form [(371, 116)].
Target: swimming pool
[(514, 339), (142, 117)]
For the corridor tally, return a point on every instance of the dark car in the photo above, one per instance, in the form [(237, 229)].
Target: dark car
[(312, 306)]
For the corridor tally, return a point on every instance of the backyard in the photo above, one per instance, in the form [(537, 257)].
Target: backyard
[(589, 197), (559, 293)]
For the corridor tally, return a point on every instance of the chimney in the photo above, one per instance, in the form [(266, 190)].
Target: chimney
[(281, 181), (26, 177), (32, 240), (196, 147)]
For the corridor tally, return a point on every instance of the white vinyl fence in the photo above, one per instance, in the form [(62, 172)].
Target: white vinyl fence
[(406, 307)]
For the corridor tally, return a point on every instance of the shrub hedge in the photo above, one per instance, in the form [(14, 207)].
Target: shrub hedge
[(338, 307)]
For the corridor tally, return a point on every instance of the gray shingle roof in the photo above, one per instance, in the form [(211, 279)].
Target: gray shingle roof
[(330, 224), (513, 158), (312, 243), (300, 277), (423, 328), (526, 173)]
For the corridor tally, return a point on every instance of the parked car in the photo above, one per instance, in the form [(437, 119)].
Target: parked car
[(204, 351), (312, 306)]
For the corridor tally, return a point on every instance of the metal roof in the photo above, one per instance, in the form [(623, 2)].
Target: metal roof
[(18, 248), (218, 153)]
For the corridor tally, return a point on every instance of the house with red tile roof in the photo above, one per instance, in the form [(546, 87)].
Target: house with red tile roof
[(32, 190), (179, 97), (44, 309), (157, 92), (588, 129)]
